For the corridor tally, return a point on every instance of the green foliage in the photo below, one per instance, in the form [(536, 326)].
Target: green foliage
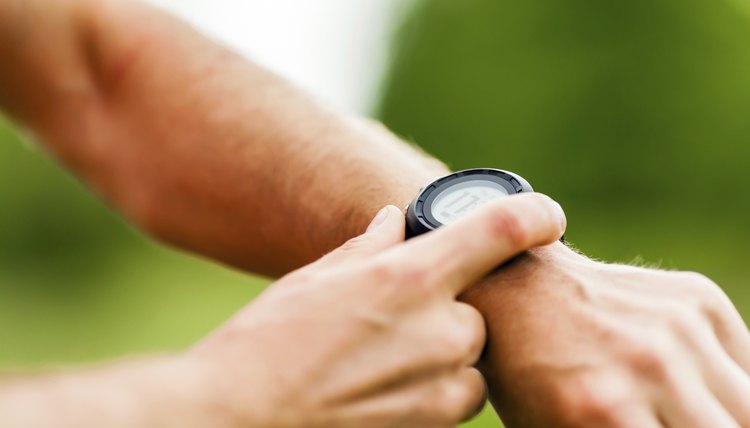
[(634, 115)]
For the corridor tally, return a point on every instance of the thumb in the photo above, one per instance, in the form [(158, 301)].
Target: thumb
[(385, 230)]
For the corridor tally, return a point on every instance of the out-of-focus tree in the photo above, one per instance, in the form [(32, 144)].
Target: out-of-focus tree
[(635, 115)]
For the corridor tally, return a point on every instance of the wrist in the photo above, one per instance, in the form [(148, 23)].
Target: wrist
[(171, 391), (231, 393), (193, 398), (155, 392), (549, 269), (396, 185), (558, 252)]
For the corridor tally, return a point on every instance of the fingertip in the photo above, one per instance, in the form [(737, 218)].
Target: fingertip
[(395, 210), (385, 230), (396, 221), (557, 214), (380, 218), (387, 227)]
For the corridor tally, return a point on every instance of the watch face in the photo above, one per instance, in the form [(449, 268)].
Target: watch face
[(460, 199), (450, 198)]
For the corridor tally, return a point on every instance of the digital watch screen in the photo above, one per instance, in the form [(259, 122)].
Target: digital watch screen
[(452, 197)]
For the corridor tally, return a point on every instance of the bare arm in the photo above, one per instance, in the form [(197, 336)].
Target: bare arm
[(200, 147), (131, 394)]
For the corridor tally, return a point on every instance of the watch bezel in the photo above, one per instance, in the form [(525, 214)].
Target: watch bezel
[(419, 220)]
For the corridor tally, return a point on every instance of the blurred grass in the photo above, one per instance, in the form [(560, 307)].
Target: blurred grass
[(635, 116)]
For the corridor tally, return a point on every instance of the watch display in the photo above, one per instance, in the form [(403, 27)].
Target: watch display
[(450, 198)]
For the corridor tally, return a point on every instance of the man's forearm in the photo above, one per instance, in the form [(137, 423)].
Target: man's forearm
[(212, 153)]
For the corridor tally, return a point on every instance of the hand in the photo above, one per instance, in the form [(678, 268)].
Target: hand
[(575, 343), (372, 334)]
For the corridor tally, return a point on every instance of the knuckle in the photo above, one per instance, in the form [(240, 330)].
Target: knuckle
[(415, 283), (650, 359), (418, 276), (649, 364), (384, 272), (460, 342), (355, 244), (593, 399), (407, 283), (683, 319), (387, 287), (710, 297), (505, 224)]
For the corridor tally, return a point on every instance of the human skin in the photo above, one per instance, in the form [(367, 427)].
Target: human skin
[(213, 154), (348, 341)]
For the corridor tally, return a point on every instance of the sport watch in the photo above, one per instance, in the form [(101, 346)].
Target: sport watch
[(448, 199)]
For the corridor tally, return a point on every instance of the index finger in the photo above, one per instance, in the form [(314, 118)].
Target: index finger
[(462, 253)]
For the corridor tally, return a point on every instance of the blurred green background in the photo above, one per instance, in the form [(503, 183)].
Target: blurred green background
[(634, 115)]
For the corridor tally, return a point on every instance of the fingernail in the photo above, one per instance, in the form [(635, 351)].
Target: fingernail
[(379, 219)]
